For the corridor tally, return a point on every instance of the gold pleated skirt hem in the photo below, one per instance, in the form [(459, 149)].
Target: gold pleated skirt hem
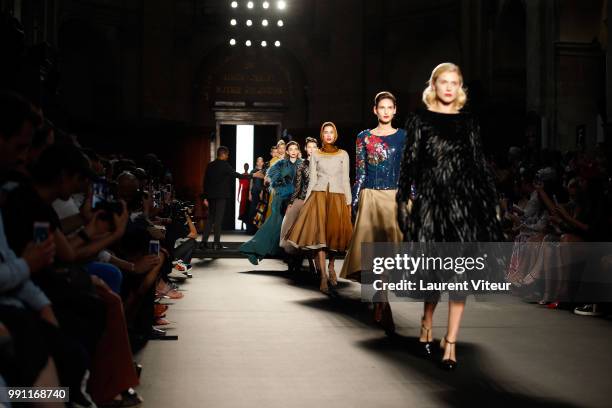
[(323, 223)]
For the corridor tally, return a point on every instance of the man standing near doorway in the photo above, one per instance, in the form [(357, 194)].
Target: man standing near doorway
[(218, 189)]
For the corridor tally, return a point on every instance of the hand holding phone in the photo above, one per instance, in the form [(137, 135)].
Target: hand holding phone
[(39, 253), (154, 247), (41, 232)]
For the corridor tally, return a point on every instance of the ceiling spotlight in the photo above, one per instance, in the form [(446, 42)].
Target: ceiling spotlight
[(266, 4), (280, 23), (233, 21), (250, 4), (264, 44), (277, 43), (249, 23), (248, 43), (281, 5), (234, 4), (264, 23), (232, 42)]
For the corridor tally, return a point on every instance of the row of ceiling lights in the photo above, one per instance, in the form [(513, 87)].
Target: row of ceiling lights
[(248, 43), (249, 22), (281, 5)]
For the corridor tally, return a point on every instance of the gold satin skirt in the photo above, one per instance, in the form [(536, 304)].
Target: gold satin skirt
[(376, 222), (323, 223)]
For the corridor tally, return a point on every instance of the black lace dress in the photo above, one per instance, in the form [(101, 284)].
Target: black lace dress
[(452, 191)]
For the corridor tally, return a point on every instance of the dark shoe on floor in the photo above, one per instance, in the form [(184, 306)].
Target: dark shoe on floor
[(448, 363), (159, 334), (219, 247), (587, 310)]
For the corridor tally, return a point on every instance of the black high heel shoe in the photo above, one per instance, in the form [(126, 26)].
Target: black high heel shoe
[(447, 364), (426, 346)]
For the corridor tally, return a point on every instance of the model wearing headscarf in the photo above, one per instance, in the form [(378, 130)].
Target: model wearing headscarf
[(324, 224)]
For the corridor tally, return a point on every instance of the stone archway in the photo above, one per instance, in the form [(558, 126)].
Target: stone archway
[(253, 83)]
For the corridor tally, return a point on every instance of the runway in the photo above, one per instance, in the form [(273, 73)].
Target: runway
[(253, 336)]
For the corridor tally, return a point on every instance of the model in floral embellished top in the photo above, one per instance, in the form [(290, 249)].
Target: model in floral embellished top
[(377, 167)]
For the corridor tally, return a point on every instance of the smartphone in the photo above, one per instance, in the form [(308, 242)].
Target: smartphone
[(99, 194), (154, 247), (41, 232)]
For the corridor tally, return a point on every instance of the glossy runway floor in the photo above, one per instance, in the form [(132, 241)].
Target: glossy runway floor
[(253, 336)]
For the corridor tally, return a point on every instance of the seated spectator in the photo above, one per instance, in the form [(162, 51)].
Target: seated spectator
[(140, 291), (25, 311), (83, 336), (96, 321), (531, 225)]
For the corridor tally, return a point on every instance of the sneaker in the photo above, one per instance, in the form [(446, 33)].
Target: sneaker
[(186, 264), (182, 266), (177, 275), (587, 310)]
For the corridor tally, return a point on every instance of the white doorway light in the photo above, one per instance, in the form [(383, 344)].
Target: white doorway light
[(245, 138)]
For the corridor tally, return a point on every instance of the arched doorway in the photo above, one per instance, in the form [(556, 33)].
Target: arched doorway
[(259, 88)]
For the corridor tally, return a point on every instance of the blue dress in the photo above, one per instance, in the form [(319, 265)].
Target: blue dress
[(266, 240)]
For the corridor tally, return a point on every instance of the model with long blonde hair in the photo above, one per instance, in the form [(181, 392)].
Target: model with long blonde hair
[(443, 154)]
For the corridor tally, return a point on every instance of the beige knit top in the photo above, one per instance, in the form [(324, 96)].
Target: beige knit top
[(330, 169)]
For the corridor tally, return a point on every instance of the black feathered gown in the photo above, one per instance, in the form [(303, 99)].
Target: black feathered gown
[(455, 198)]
